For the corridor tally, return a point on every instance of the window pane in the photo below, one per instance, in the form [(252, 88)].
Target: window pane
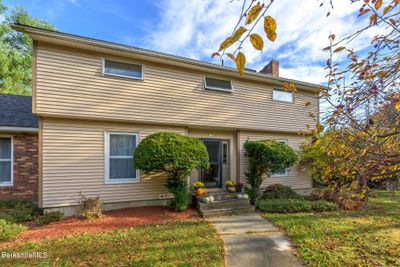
[(122, 145), (124, 69), (282, 96), (122, 169), (5, 172), (217, 83), (5, 148), (213, 149)]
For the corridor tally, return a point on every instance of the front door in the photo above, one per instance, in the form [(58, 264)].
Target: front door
[(211, 177)]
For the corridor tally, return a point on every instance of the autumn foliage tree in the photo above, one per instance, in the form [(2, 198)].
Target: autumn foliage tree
[(363, 92)]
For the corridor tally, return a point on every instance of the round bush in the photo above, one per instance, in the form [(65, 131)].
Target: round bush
[(265, 157), (176, 155), (170, 152)]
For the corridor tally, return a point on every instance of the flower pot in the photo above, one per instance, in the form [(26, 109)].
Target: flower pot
[(231, 189), (200, 192)]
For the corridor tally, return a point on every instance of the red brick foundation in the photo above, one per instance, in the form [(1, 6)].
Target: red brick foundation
[(26, 168)]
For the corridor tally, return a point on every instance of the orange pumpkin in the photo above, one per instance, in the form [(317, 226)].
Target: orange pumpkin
[(201, 192)]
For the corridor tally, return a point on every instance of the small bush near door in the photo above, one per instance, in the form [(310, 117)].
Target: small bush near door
[(295, 205)]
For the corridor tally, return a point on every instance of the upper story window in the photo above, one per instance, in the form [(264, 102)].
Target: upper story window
[(119, 150), (217, 84), (122, 69), (281, 95), (6, 161)]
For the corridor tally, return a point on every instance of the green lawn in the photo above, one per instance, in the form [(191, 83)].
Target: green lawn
[(348, 238), (191, 243)]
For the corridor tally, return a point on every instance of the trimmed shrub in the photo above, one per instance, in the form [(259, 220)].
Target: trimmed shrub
[(18, 210), (49, 217), (266, 157), (276, 191), (294, 205), (9, 230), (176, 155), (90, 208)]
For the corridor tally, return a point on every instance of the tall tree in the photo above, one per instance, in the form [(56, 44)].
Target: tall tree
[(363, 91), (16, 51)]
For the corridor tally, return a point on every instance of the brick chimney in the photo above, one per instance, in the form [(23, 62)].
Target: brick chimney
[(272, 68)]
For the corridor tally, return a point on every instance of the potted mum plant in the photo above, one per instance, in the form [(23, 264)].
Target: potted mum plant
[(230, 186), (199, 187)]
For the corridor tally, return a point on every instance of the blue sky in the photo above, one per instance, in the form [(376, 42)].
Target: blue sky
[(195, 28)]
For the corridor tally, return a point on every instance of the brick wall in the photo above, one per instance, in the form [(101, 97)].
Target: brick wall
[(26, 168)]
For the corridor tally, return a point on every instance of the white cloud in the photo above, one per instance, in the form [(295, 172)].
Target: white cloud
[(196, 28), (2, 18)]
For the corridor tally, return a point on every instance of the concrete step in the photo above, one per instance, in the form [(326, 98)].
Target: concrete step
[(225, 203), (226, 212), (221, 195)]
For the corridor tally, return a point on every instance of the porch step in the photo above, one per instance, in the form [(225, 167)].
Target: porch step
[(226, 212), (224, 204)]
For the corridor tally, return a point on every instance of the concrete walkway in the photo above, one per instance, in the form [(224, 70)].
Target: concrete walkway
[(252, 241)]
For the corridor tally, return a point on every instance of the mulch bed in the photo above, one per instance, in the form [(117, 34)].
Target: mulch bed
[(111, 220)]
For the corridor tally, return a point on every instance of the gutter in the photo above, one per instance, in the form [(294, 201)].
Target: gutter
[(18, 129), (150, 55)]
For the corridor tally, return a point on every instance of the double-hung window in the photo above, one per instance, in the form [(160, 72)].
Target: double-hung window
[(119, 151), (6, 161), (284, 172)]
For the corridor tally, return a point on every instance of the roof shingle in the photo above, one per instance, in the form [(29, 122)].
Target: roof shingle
[(16, 111)]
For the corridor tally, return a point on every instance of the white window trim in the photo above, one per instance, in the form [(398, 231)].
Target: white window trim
[(276, 100), (205, 87), (286, 170), (104, 73), (11, 183), (107, 179)]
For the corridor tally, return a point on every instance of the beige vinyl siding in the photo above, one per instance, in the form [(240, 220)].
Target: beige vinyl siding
[(69, 83), (299, 177), (73, 162)]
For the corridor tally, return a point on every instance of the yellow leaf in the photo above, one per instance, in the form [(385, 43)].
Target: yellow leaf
[(253, 13), (231, 56), (386, 9), (257, 41), (364, 12), (372, 19), (308, 103), (327, 48), (238, 33), (240, 61), (340, 48), (398, 105), (378, 4), (225, 44), (270, 28), (363, 151)]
